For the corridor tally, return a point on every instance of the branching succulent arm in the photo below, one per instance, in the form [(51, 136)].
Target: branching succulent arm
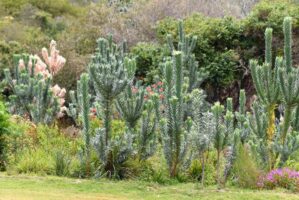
[(111, 72), (80, 108), (186, 45), (130, 104), (266, 82), (203, 128), (174, 127), (147, 135)]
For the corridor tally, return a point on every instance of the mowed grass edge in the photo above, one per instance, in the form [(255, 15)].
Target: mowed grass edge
[(54, 188)]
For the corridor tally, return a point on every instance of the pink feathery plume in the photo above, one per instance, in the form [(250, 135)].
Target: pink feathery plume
[(21, 64), (56, 90), (61, 112), (55, 62), (60, 93)]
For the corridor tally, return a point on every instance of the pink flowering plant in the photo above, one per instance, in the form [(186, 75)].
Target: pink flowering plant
[(283, 178), (33, 95), (156, 88)]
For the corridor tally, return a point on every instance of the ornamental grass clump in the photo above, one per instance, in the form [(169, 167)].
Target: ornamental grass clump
[(283, 178)]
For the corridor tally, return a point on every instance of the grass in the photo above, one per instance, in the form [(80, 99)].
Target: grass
[(54, 188)]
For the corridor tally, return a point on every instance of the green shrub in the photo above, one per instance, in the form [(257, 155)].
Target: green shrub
[(217, 39), (4, 130), (56, 8), (43, 150), (13, 7), (270, 13), (293, 161), (118, 126), (195, 170), (7, 49), (266, 14), (223, 69), (77, 166), (36, 161), (62, 163), (148, 57), (292, 164), (245, 170)]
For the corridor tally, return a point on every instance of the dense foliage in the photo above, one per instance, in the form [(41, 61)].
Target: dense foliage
[(148, 110), (4, 130)]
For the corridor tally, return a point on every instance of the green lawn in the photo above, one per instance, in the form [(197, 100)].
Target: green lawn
[(53, 188)]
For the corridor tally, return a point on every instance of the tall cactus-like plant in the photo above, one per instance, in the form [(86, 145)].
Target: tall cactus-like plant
[(82, 105), (258, 122), (147, 135), (266, 82), (186, 44), (130, 104), (203, 128), (273, 86), (174, 126), (286, 149), (240, 133), (224, 131), (288, 78), (241, 117), (111, 72), (33, 95)]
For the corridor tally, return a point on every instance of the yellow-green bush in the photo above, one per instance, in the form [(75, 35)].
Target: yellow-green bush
[(43, 150), (245, 170), (36, 161), (4, 131), (195, 169), (55, 7)]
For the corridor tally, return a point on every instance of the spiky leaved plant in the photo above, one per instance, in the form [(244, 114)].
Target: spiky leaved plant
[(110, 74), (258, 122), (130, 104), (33, 96), (224, 130), (241, 117), (286, 149), (82, 104), (288, 78), (203, 128), (174, 126), (280, 85), (265, 79), (186, 45), (240, 134), (147, 134)]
